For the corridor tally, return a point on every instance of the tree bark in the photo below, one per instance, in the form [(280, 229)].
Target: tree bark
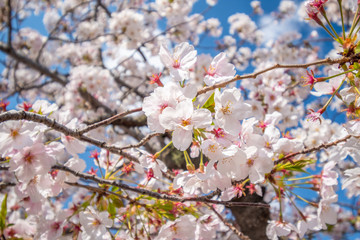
[(252, 221)]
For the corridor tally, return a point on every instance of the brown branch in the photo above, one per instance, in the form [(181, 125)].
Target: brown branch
[(109, 120), (229, 225), (31, 63), (162, 33), (276, 66), (99, 3), (204, 199), (22, 115), (10, 28), (133, 89), (142, 141), (121, 83), (309, 150), (95, 104), (156, 195), (104, 191), (4, 168), (4, 185)]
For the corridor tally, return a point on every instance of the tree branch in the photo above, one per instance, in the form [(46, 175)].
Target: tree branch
[(9, 39), (109, 120), (22, 115), (229, 225), (32, 64), (276, 66), (309, 150), (156, 195)]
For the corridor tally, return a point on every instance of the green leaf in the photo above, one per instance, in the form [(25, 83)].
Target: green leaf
[(357, 74), (169, 216), (356, 65), (85, 204), (111, 209), (116, 201), (114, 189), (296, 166), (210, 103), (3, 213), (357, 49)]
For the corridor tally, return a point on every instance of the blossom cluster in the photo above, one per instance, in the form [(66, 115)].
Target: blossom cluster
[(126, 129)]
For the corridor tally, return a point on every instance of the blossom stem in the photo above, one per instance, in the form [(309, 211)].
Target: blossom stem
[(331, 26), (357, 30), (245, 181), (53, 140), (355, 22), (332, 96), (156, 155), (357, 90), (339, 74), (188, 161), (116, 170), (301, 198), (201, 162), (297, 184), (278, 192), (342, 18), (297, 209), (294, 186), (327, 30), (301, 178), (101, 172)]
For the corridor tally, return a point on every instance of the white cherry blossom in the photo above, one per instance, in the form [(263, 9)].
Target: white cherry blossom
[(180, 62), (183, 119), (230, 109), (220, 70), (94, 224)]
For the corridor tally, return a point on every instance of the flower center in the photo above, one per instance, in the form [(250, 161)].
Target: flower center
[(14, 133), (176, 63), (226, 109), (212, 148), (96, 222), (219, 133), (55, 225), (163, 106), (211, 71), (250, 162), (185, 122), (28, 157)]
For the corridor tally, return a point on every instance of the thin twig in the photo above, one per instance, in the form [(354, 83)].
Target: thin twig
[(53, 124), (108, 120), (309, 150), (276, 66), (34, 65), (229, 225), (142, 141), (10, 28), (156, 195)]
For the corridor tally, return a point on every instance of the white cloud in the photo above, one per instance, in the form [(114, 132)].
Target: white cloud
[(273, 28)]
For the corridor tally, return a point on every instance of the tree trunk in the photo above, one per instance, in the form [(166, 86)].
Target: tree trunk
[(252, 220)]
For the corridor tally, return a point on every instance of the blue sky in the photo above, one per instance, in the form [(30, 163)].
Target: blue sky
[(222, 11)]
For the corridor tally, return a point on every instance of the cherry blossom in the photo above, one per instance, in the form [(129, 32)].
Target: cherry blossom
[(31, 161), (220, 70), (94, 224), (229, 110), (96, 150), (183, 119), (323, 88), (180, 62)]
